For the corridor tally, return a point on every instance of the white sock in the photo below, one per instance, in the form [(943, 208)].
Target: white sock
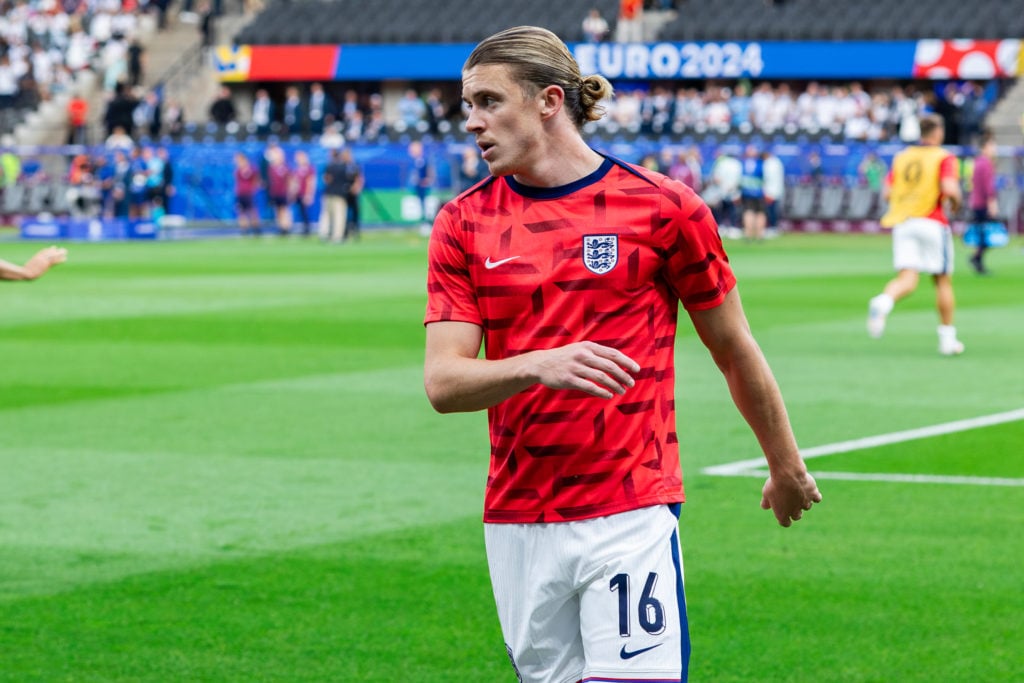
[(947, 333), (883, 303)]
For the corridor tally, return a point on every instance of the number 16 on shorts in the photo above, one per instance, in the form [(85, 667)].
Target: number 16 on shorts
[(633, 620)]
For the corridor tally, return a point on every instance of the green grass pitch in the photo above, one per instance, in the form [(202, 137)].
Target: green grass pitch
[(218, 464)]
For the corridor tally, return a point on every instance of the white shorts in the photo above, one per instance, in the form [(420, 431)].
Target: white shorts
[(924, 245), (599, 600)]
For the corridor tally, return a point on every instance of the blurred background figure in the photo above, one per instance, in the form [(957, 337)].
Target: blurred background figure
[(78, 120), (686, 169), (304, 189), (752, 195), (630, 27), (984, 204), (334, 206), (872, 171), (292, 111), (422, 180), (222, 109), (247, 182), (322, 110), (774, 188), (471, 168), (262, 112), (279, 190), (355, 189), (723, 189), (595, 27)]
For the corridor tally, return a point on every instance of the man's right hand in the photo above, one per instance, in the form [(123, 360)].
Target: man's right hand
[(585, 366)]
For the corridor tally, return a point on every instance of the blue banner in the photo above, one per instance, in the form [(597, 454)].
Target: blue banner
[(730, 60), (652, 61), (89, 229), (383, 62)]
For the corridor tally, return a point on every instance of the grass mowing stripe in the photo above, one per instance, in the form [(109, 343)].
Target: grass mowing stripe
[(409, 605), (147, 505), (378, 415), (260, 469)]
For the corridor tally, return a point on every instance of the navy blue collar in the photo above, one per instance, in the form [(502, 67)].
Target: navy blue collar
[(561, 190)]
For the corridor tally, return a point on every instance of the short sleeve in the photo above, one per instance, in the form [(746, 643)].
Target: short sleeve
[(450, 293), (696, 267)]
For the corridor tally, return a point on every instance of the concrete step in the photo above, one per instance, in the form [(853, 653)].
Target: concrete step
[(1005, 118)]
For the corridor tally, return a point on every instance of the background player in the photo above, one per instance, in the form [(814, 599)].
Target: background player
[(922, 179), (569, 267)]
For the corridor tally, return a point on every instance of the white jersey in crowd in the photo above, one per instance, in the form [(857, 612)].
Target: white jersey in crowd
[(726, 175), (774, 177)]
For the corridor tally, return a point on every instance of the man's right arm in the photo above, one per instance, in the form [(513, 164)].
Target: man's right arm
[(457, 380)]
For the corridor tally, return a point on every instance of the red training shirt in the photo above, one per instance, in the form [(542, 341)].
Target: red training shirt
[(605, 259)]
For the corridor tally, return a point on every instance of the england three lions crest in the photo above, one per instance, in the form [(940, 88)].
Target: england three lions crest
[(600, 253)]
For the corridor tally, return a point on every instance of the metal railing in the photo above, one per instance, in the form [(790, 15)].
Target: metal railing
[(183, 71)]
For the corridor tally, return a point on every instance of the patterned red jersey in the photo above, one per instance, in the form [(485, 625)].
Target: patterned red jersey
[(605, 259)]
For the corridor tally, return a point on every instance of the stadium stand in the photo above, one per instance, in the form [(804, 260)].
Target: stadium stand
[(412, 21), (847, 117), (829, 20), (423, 21)]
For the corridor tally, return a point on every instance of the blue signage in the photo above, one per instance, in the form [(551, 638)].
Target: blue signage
[(653, 61), (730, 60), (89, 229)]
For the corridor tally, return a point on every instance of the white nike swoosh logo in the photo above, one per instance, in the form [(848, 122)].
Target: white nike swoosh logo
[(489, 264)]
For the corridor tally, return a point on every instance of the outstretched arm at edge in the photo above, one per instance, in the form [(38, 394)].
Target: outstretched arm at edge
[(40, 262)]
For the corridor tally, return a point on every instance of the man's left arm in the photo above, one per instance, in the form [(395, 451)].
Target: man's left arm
[(790, 489)]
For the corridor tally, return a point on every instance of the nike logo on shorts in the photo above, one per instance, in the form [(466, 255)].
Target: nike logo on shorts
[(489, 264), (626, 654)]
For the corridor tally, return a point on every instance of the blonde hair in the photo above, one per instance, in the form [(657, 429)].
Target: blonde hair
[(538, 58)]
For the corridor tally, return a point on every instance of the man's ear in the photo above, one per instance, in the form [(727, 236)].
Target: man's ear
[(551, 100)]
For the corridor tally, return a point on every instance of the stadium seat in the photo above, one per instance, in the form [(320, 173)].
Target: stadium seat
[(38, 199), (1009, 203), (832, 201), (861, 203), (799, 201), (59, 198), (13, 200)]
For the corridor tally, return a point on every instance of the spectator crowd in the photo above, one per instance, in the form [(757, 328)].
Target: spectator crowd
[(46, 44), (847, 111)]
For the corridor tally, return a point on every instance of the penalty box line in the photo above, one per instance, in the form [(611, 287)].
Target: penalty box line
[(755, 467)]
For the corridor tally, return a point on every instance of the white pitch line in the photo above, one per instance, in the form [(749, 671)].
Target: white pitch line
[(904, 478), (754, 466)]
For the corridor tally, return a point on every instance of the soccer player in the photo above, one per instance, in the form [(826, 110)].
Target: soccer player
[(35, 267), (569, 266), (922, 180)]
